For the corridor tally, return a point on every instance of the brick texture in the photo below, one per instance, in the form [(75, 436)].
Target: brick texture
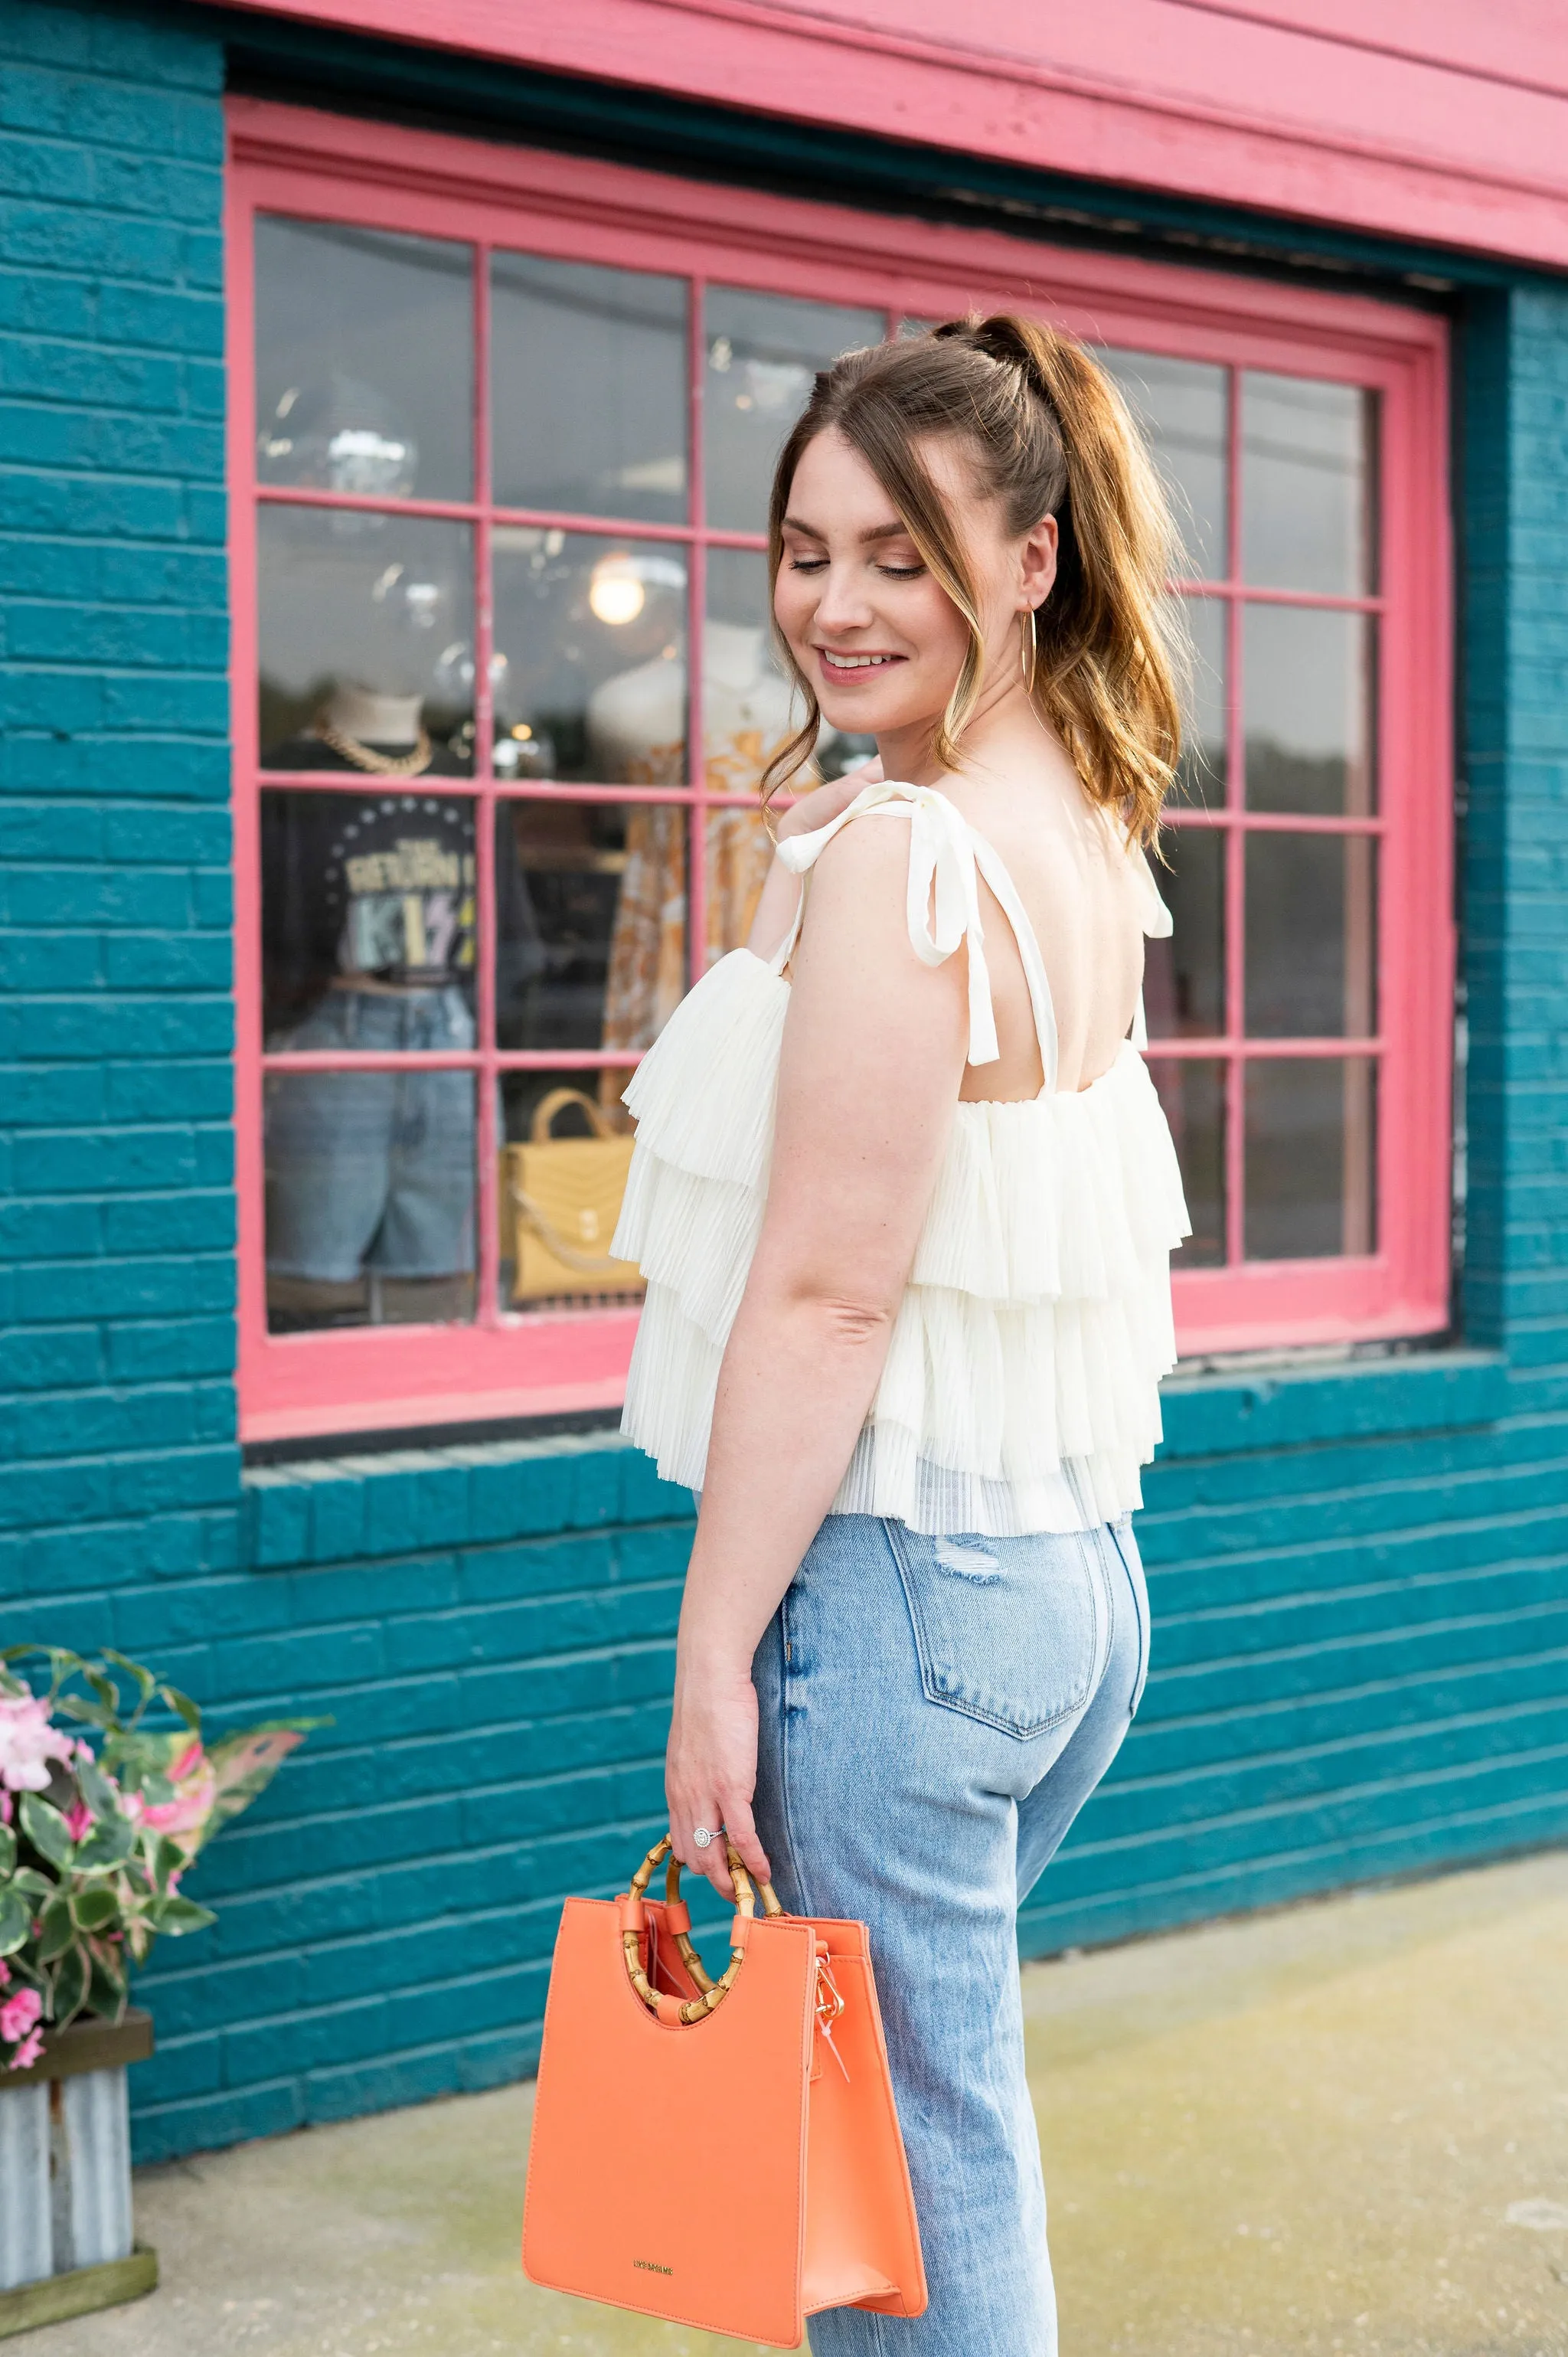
[(1360, 1659)]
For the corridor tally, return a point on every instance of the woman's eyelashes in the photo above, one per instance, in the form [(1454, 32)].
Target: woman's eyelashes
[(889, 572)]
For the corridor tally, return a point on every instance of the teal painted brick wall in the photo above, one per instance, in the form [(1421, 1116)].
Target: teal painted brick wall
[(1358, 1576)]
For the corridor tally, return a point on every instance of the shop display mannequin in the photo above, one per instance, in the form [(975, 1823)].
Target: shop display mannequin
[(369, 943), (636, 724)]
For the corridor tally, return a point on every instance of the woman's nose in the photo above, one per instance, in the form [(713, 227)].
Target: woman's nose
[(843, 605)]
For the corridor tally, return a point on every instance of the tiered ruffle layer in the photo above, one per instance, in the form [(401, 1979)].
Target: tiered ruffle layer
[(1021, 1387)]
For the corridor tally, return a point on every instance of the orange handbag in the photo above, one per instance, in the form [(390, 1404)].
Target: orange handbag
[(723, 2154)]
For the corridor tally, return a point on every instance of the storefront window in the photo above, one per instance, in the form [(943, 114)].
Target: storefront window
[(510, 689)]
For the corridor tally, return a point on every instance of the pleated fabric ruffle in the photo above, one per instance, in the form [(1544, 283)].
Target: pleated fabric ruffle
[(1021, 1387)]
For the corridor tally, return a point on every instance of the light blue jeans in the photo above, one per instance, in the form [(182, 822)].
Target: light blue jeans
[(934, 1714)]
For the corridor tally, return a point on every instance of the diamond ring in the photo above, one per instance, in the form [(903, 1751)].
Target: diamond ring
[(701, 1835)]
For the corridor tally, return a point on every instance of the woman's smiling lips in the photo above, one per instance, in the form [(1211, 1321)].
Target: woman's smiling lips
[(852, 665)]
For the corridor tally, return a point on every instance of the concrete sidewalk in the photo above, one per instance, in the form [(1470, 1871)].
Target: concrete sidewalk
[(1340, 2127)]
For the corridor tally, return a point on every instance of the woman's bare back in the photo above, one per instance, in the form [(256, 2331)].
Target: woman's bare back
[(1087, 896)]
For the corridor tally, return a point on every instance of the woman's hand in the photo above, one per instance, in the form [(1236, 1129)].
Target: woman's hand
[(823, 803), (710, 1771)]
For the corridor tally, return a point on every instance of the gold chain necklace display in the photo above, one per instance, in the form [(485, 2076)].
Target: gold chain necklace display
[(364, 757)]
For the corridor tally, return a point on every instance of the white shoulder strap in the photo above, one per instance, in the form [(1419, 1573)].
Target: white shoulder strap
[(941, 871)]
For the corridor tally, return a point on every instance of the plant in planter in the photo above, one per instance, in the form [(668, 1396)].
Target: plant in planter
[(100, 1815)]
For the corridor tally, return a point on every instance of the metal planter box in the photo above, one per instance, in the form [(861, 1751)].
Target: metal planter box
[(65, 2239)]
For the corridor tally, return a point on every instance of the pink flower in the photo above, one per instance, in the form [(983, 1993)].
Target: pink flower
[(28, 1743), (77, 1818), (28, 2051), (5, 1974), (19, 2014)]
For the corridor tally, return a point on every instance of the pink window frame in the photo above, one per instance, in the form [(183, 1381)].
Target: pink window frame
[(317, 166)]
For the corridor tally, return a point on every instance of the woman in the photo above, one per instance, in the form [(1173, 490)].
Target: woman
[(906, 1220)]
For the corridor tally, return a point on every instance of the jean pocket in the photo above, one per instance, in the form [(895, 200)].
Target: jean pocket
[(1013, 1633)]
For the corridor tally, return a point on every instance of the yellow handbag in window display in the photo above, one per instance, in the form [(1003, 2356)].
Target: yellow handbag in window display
[(561, 1199)]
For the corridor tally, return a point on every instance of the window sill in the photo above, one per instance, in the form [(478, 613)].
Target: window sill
[(1226, 1414), (345, 1509)]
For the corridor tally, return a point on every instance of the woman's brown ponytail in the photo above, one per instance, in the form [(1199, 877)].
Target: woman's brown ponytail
[(1052, 436)]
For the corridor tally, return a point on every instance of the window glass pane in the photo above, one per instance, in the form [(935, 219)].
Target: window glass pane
[(1181, 404), (590, 657), (762, 353), (1184, 976), (588, 374), (748, 714), (1311, 1158), (1204, 766), (591, 934), (369, 1175), (1193, 1096), (360, 893), (1307, 710), (364, 361), (366, 631), (1310, 931), (1308, 481), (567, 1144)]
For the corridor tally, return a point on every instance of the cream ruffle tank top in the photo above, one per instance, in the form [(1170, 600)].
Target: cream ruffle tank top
[(1020, 1391)]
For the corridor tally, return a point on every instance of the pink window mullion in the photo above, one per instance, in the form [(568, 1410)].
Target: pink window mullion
[(696, 618), (486, 1210), (1235, 1093)]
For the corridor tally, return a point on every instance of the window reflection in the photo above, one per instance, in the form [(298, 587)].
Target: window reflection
[(1308, 716), (1308, 484), (364, 360), (1181, 406), (367, 650), (369, 1175), (592, 951), (1311, 925), (1184, 976), (562, 1173), (1311, 1158), (762, 352), (591, 646), (1205, 759), (1193, 1096), (588, 389)]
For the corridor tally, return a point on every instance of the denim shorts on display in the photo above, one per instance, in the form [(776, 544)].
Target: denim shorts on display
[(372, 1169), (934, 1712)]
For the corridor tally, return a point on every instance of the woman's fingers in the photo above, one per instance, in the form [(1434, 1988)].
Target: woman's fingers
[(743, 1834)]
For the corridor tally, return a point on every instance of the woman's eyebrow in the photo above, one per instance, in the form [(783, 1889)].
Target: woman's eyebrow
[(895, 531)]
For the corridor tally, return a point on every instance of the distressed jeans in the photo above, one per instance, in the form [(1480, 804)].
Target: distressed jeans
[(934, 1712)]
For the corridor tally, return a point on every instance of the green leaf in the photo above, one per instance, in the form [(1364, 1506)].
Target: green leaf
[(85, 1714), (182, 1707), (46, 1829), (146, 1682), (36, 1885), (7, 1853), (108, 1845), (94, 1909), (96, 1789), (16, 1921), (106, 1989), (56, 1929), (70, 1987), (170, 1858), (177, 1916)]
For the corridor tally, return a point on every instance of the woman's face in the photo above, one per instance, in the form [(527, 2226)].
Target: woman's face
[(878, 639)]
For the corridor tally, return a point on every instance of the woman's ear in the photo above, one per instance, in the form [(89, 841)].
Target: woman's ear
[(1038, 561)]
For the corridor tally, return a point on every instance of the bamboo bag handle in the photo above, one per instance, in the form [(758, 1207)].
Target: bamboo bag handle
[(633, 1922)]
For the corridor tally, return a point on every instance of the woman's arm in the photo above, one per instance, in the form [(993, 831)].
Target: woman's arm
[(775, 909), (872, 1055)]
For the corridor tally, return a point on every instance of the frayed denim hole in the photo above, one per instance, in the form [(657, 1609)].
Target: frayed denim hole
[(970, 1563)]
